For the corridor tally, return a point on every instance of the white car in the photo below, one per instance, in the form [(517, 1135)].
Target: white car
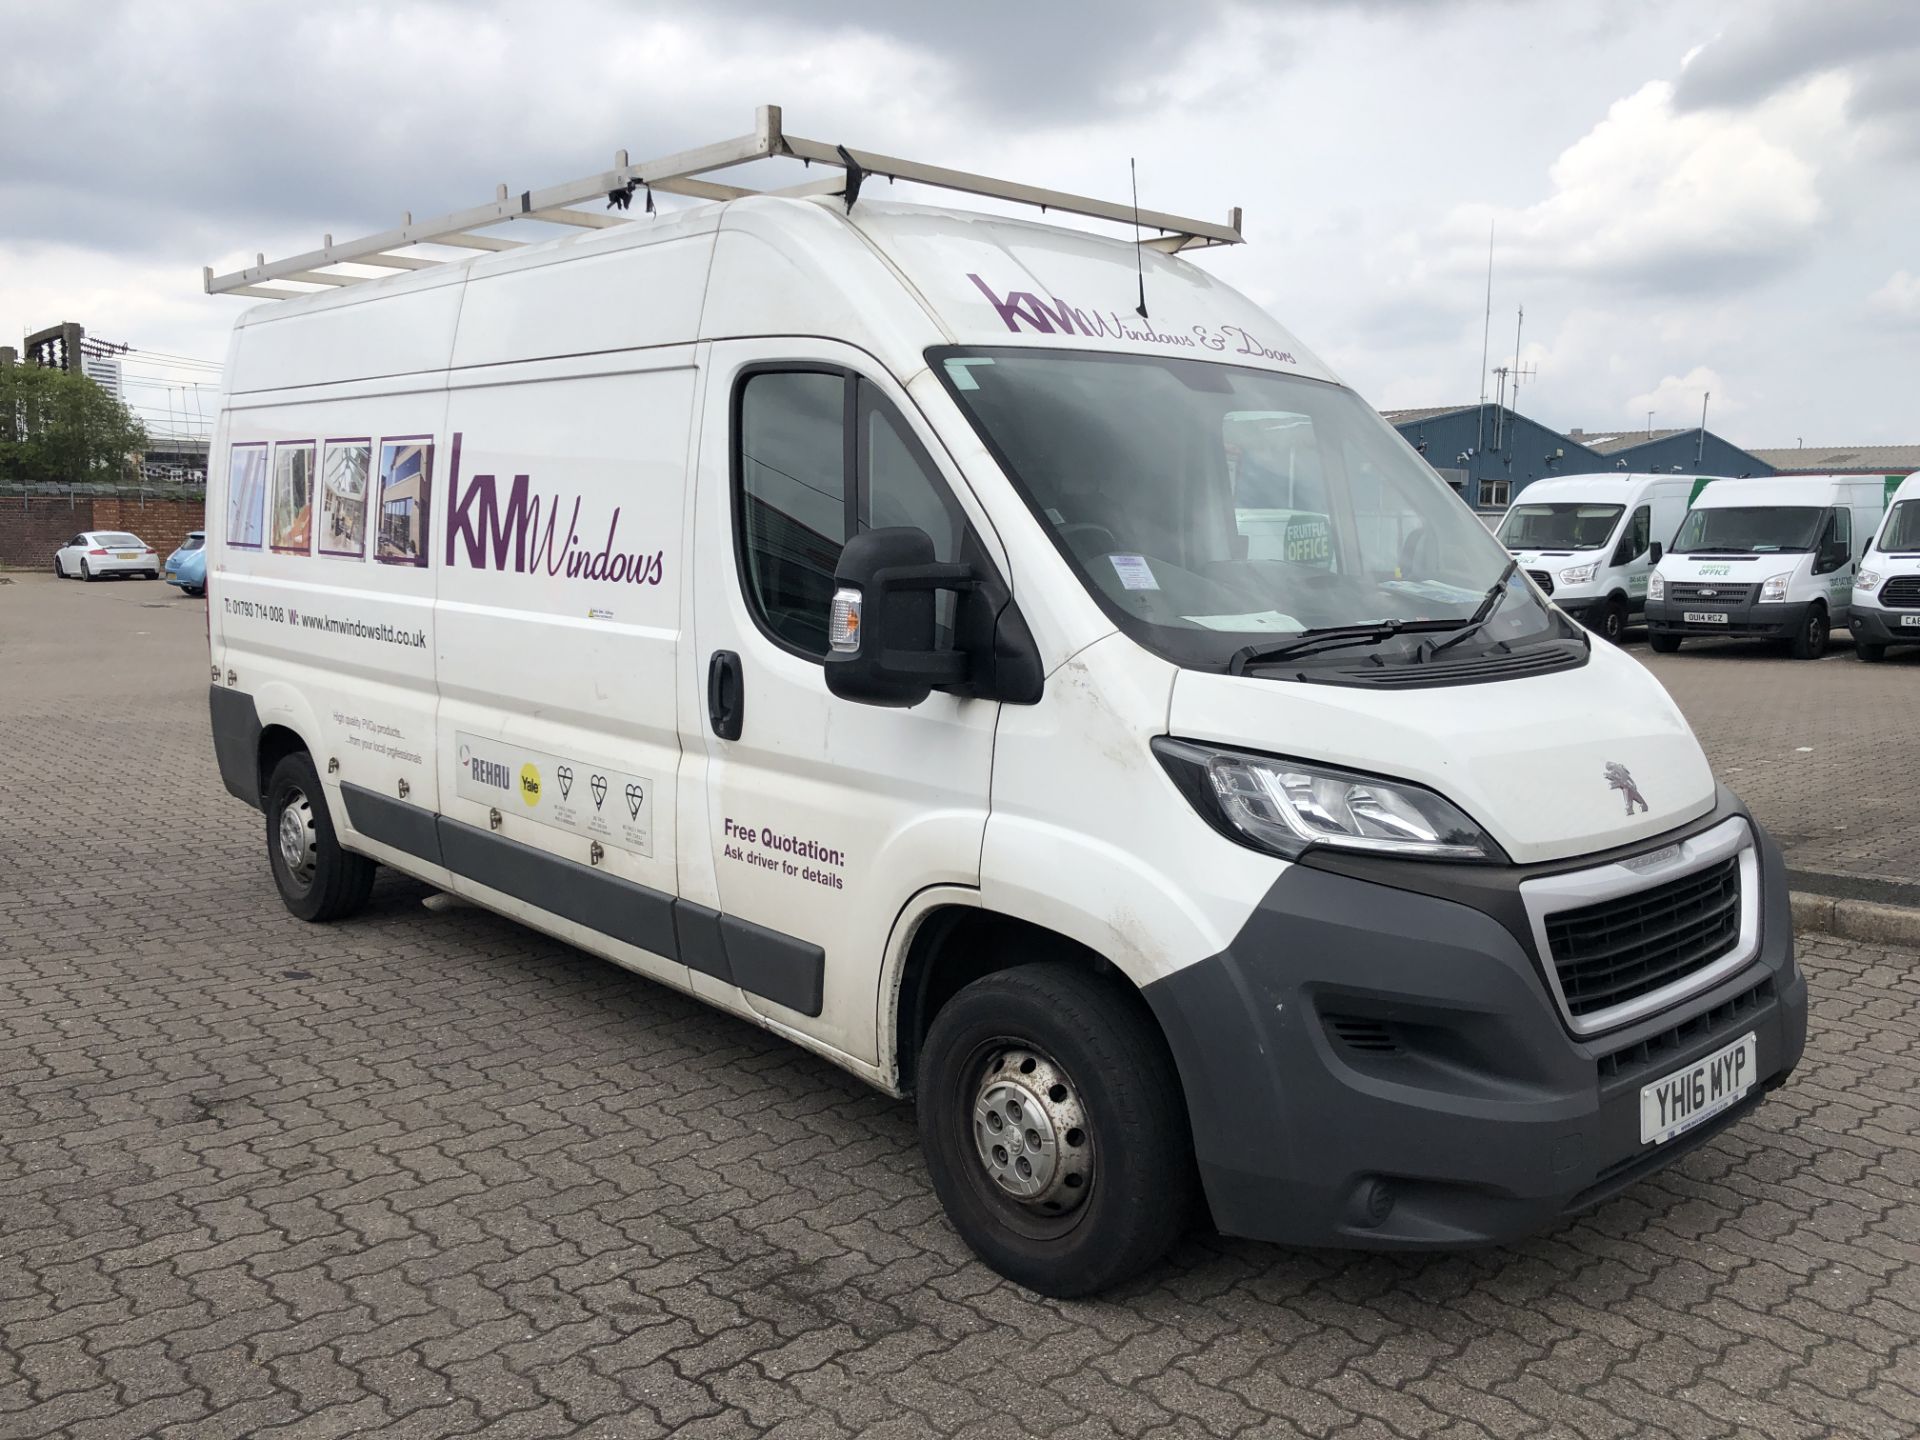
[(93, 553)]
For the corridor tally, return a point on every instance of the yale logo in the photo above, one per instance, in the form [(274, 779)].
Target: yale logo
[(530, 784)]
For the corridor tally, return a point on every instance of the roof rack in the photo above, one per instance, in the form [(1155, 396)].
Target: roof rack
[(680, 174)]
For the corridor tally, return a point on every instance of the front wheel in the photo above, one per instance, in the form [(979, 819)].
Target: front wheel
[(1613, 621), (318, 880), (1054, 1128), (1868, 651), (1663, 644), (1811, 641)]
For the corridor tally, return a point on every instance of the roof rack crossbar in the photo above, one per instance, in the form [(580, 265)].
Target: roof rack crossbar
[(682, 173)]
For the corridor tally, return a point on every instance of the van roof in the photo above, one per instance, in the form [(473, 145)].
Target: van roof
[(1598, 485), (1779, 490), (890, 277)]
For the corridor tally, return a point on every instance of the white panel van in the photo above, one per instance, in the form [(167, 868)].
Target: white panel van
[(1769, 559), (1590, 541), (1886, 588), (1104, 729)]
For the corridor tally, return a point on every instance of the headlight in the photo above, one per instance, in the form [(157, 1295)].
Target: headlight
[(1867, 581), (1285, 806), (1579, 574), (1774, 588), (1656, 586)]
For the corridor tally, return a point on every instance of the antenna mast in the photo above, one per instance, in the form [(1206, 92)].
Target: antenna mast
[(1486, 332)]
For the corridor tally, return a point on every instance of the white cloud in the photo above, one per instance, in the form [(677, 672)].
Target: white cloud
[(1662, 199), (1675, 401), (1898, 299)]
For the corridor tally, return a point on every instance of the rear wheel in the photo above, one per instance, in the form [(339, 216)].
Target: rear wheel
[(1613, 621), (1663, 644), (1054, 1128), (86, 573), (318, 880), (1870, 652), (1811, 641), (58, 573)]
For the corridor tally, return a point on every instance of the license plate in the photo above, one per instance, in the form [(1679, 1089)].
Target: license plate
[(169, 577), (1705, 617), (126, 554), (1675, 1104), (1910, 619)]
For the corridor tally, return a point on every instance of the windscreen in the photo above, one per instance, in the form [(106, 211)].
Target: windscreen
[(1749, 529), (1561, 525), (1208, 507), (1902, 530), (193, 542)]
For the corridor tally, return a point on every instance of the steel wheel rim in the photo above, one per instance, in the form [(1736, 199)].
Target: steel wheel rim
[(299, 844), (1032, 1141)]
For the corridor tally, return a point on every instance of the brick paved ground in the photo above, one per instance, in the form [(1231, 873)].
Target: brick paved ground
[(432, 1174), (1815, 747)]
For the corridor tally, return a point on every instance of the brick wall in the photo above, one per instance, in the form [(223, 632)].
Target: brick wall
[(163, 524), (31, 529)]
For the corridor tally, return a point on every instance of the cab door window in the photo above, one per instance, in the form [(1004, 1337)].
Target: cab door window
[(819, 456), (1635, 539)]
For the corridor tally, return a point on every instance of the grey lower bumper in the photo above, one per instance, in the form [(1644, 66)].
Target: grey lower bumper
[(1367, 1066), (1883, 627), (1747, 620), (236, 741)]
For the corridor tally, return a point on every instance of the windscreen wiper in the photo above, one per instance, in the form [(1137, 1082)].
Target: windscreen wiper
[(1490, 603), (1331, 637)]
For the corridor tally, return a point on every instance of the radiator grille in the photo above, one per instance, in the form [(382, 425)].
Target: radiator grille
[(1618, 950)]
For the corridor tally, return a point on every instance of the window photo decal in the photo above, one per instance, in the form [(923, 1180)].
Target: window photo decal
[(343, 497), (246, 495), (291, 528), (406, 485)]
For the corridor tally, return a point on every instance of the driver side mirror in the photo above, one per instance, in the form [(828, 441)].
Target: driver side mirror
[(882, 640), (1654, 552)]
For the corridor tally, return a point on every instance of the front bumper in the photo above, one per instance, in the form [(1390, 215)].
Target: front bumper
[(1883, 627), (1369, 1066), (1746, 619)]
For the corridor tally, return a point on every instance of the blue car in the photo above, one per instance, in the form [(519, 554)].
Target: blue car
[(187, 566)]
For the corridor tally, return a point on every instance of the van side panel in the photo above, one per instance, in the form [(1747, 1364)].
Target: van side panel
[(559, 620), (319, 580)]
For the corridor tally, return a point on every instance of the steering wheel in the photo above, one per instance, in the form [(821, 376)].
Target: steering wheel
[(1416, 553)]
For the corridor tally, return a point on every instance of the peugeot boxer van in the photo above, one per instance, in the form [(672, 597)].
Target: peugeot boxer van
[(1590, 541), (1885, 609), (1100, 727), (1765, 559)]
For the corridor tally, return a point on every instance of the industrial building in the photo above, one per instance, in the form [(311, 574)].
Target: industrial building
[(1653, 452), (1490, 453)]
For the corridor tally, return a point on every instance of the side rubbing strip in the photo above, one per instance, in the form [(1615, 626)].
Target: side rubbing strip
[(392, 822), (591, 897), (784, 970), (697, 927)]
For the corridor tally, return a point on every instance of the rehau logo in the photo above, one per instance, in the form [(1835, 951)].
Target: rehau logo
[(509, 535)]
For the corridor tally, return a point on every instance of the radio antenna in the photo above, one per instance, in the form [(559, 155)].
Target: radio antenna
[(1139, 261)]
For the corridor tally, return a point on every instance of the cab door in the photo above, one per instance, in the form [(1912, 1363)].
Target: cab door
[(824, 816), (1631, 555)]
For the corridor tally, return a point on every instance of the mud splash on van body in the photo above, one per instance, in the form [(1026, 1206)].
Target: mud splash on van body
[(510, 536)]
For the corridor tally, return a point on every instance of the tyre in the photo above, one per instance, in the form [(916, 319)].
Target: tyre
[(58, 573), (1054, 1128), (153, 574), (1870, 652), (1663, 644), (1811, 641), (1613, 621), (318, 880), (86, 573)]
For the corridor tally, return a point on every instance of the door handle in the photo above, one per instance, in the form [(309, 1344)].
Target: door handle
[(725, 694)]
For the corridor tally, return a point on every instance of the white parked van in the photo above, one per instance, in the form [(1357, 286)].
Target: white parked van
[(1768, 559), (1886, 588), (1589, 541), (859, 615)]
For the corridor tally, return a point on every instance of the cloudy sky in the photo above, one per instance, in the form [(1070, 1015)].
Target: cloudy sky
[(1686, 195)]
